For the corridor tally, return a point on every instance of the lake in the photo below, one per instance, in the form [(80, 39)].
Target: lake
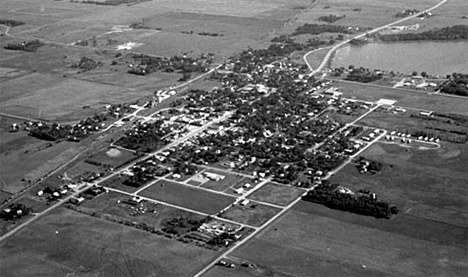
[(436, 58)]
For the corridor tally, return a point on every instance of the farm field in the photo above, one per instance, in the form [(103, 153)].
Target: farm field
[(404, 98), (67, 242), (276, 194), (362, 13), (187, 197), (63, 99)]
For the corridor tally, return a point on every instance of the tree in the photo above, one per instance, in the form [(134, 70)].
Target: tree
[(424, 74), (415, 73)]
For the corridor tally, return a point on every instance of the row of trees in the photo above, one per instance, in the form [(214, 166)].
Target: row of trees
[(316, 29), (28, 46), (458, 85), (328, 194), (446, 33)]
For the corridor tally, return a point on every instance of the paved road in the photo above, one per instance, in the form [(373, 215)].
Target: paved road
[(328, 55)]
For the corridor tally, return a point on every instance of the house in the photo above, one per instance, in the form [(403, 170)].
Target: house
[(213, 176), (426, 113), (239, 190), (244, 202)]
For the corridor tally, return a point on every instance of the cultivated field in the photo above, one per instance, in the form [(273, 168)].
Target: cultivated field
[(188, 197), (363, 13), (67, 242)]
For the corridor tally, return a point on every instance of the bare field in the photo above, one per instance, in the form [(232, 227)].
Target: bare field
[(304, 241), (67, 242), (188, 197), (404, 98)]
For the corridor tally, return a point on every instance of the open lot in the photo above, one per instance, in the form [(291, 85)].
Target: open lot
[(112, 203), (253, 214), (305, 241), (404, 98), (276, 194), (67, 242), (188, 197)]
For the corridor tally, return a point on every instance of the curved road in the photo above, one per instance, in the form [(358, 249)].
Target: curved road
[(327, 57)]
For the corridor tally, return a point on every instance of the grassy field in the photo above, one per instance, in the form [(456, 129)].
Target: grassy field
[(306, 241), (32, 163), (253, 214), (407, 123), (67, 242), (428, 184), (404, 98), (276, 194), (113, 157), (187, 197)]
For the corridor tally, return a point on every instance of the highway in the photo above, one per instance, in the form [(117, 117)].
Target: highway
[(334, 48)]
